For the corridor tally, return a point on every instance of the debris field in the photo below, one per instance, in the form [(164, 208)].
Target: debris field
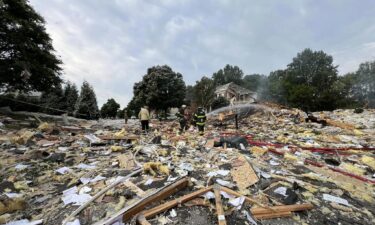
[(278, 167)]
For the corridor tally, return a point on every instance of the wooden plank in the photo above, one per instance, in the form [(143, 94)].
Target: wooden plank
[(166, 192), (135, 188), (282, 208), (118, 138), (272, 215), (168, 205), (219, 207)]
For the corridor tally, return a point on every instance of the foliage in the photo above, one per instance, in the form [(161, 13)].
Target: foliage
[(219, 102), (27, 59), (109, 109), (86, 106), (204, 92), (228, 74), (254, 82), (189, 95), (53, 101), (365, 84), (70, 97), (160, 89)]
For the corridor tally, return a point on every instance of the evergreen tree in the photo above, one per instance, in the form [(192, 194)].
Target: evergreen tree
[(228, 74), (70, 96), (87, 106), (27, 59), (109, 109), (53, 101)]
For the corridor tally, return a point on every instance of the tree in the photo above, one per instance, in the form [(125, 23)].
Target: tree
[(109, 109), (27, 59), (160, 89), (70, 96), (308, 81), (365, 83), (204, 92), (274, 90), (189, 95), (228, 74), (53, 101), (219, 102), (86, 106), (254, 82)]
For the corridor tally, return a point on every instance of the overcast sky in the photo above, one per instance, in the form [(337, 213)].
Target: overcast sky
[(111, 43)]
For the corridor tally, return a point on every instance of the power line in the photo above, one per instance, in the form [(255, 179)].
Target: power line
[(45, 107)]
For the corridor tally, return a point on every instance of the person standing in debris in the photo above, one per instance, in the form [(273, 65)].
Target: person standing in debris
[(183, 116), (144, 117), (126, 116), (200, 119)]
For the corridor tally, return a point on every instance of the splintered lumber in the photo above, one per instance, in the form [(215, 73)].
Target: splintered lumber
[(272, 215), (142, 220), (243, 173), (219, 207), (166, 192), (340, 124), (282, 208), (100, 193), (168, 205), (132, 137)]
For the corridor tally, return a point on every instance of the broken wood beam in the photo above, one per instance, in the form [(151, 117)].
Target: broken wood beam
[(168, 205), (100, 193), (219, 206), (142, 220), (282, 208), (118, 138), (166, 192), (272, 215)]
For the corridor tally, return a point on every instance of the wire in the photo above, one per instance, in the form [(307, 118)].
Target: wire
[(45, 107)]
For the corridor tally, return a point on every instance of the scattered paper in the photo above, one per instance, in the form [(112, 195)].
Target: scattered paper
[(13, 195), (186, 166), (75, 222), (20, 167), (85, 190), (25, 222), (274, 163), (237, 202), (70, 196), (209, 195), (335, 199), (225, 183), (149, 181), (92, 138), (173, 213), (226, 195), (85, 166), (219, 172), (265, 175), (249, 218), (62, 149), (281, 191), (63, 170)]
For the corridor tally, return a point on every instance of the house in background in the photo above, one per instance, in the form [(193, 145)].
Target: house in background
[(235, 93)]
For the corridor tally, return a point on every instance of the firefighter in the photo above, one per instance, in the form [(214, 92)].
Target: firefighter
[(200, 119), (182, 115)]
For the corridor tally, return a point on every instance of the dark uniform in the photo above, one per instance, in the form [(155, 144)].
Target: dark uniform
[(200, 120), (182, 119)]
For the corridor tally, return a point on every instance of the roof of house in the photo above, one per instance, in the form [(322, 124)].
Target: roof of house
[(240, 90)]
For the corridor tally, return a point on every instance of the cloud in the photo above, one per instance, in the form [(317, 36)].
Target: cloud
[(112, 43)]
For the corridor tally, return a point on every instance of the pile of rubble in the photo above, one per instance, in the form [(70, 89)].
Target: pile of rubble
[(276, 168)]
